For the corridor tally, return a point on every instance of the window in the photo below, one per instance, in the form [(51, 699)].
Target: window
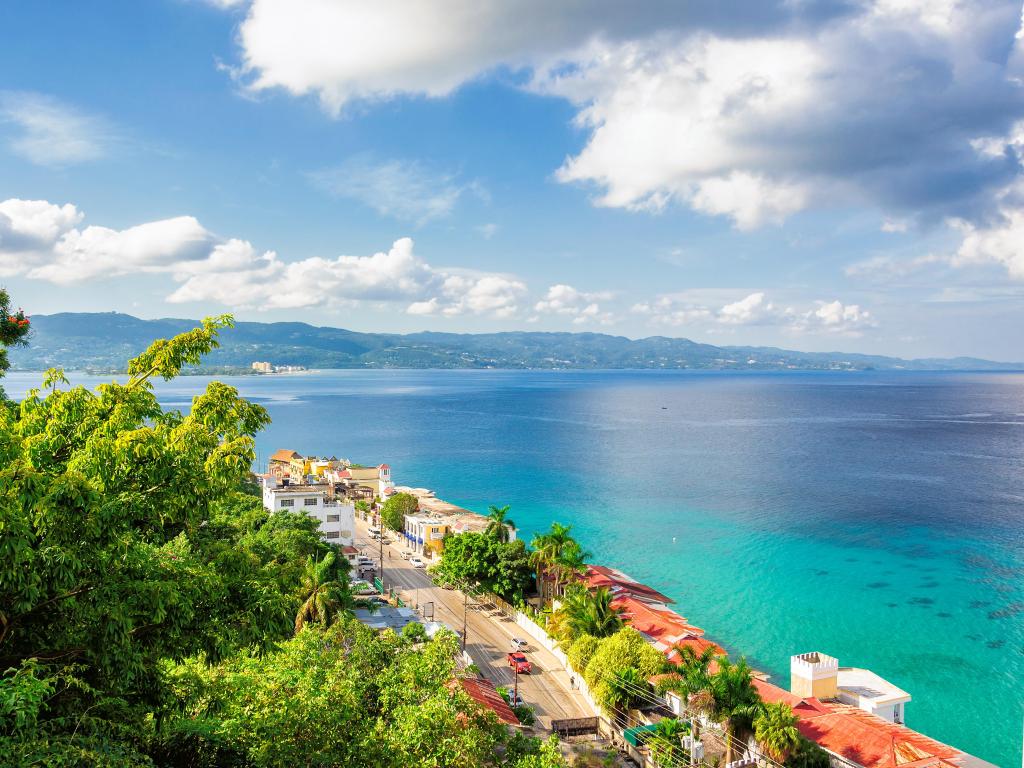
[(310, 502), (332, 534), (346, 534), (287, 502), (333, 518)]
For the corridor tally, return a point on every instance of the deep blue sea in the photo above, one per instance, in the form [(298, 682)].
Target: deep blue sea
[(878, 517)]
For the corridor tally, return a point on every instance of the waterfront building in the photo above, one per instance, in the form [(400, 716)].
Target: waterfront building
[(820, 676), (337, 516), (425, 533), (280, 463), (262, 367)]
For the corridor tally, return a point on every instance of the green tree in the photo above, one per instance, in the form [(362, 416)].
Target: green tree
[(626, 649), (14, 329), (737, 701), (481, 562), (808, 755), (666, 744), (581, 651), (556, 556), (498, 522), (590, 612), (692, 681), (113, 557), (775, 730), (322, 596), (622, 690), (397, 508)]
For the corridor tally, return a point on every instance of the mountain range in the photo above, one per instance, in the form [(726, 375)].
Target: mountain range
[(104, 341)]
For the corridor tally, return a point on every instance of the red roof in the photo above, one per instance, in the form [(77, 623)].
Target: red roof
[(284, 454), (383, 466), (619, 583), (698, 644), (856, 735), (663, 625), (485, 694), (350, 550), (344, 473)]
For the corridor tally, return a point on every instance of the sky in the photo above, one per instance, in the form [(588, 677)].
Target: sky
[(813, 174)]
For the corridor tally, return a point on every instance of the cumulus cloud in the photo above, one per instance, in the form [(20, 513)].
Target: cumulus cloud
[(752, 112), (755, 309), (44, 241), (50, 133), (407, 191), (581, 306)]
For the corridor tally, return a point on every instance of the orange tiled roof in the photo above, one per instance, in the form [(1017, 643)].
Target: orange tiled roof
[(284, 454), (485, 694), (663, 625), (861, 737), (619, 583)]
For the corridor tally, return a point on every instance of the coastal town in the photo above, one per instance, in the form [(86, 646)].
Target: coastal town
[(522, 659)]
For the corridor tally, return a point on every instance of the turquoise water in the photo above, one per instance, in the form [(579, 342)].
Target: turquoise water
[(876, 517)]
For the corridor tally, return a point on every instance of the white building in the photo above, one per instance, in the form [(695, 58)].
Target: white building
[(820, 676), (337, 517)]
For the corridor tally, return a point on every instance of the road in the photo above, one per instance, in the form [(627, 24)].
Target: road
[(488, 638)]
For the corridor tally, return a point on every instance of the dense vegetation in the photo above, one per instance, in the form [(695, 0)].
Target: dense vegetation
[(104, 341), (152, 612)]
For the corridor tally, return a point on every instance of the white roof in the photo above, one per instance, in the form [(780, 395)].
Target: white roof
[(865, 684)]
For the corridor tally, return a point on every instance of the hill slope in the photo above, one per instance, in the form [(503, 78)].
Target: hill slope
[(104, 341)]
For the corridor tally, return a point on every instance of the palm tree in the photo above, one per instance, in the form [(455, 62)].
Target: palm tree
[(666, 746), (737, 701), (571, 560), (322, 597), (592, 613), (694, 682), (622, 691), (776, 731), (498, 522)]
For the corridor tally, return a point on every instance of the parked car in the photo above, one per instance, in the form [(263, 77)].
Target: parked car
[(364, 560), (519, 644), (519, 662), (515, 699), (406, 554), (417, 562)]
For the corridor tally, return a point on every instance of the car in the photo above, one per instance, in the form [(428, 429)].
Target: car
[(416, 562), (364, 560), (515, 699), (519, 662), (519, 644), (406, 554)]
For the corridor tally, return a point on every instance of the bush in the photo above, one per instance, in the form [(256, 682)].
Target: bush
[(624, 650), (525, 714), (581, 650)]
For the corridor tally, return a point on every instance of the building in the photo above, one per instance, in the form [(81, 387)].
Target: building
[(262, 367), (425, 533), (486, 696), (281, 462), (337, 517), (820, 676)]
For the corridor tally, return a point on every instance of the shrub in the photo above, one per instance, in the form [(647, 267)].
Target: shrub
[(624, 650), (581, 650)]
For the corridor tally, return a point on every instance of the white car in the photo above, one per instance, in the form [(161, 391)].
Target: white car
[(519, 645), (364, 560), (515, 699), (406, 554), (417, 562)]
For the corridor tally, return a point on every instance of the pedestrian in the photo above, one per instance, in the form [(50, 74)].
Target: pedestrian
[(572, 682)]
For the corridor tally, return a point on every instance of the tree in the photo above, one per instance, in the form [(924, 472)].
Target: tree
[(775, 730), (737, 701), (624, 650), (592, 613), (115, 554), (692, 681), (808, 755), (397, 508), (14, 328), (581, 650), (480, 561), (622, 689), (498, 522), (321, 595), (556, 556), (666, 744)]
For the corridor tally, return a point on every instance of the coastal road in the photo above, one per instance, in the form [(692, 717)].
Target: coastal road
[(488, 637)]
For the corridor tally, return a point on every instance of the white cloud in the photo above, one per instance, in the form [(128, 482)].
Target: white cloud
[(581, 306), (751, 112), (50, 133), (43, 241), (755, 309), (487, 231), (1001, 242), (402, 190)]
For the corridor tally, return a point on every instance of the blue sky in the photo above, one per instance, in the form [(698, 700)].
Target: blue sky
[(832, 174)]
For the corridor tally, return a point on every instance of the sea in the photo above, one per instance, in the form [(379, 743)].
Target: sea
[(877, 516)]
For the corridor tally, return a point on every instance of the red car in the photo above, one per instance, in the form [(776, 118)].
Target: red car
[(519, 662)]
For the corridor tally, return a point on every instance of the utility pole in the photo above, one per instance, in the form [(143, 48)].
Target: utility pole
[(381, 540), (515, 692)]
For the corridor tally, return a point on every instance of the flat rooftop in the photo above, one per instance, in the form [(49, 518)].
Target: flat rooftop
[(867, 685)]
